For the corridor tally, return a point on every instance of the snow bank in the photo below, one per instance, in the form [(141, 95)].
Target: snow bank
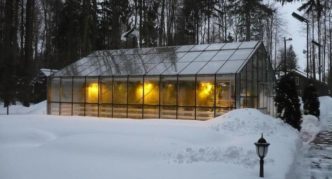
[(310, 127), (39, 108), (325, 109), (42, 146)]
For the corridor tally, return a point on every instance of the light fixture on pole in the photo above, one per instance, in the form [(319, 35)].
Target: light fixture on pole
[(302, 19), (285, 54), (319, 62), (261, 150)]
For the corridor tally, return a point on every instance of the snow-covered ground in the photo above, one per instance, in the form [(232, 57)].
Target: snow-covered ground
[(39, 146), (313, 160)]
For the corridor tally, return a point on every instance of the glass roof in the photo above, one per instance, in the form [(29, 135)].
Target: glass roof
[(218, 58)]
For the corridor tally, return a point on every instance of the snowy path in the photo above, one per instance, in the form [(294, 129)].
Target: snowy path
[(317, 158)]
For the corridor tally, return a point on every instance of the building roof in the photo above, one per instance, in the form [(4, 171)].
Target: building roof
[(220, 58), (47, 72)]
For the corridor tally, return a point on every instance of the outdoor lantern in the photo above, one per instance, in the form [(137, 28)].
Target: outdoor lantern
[(261, 149)]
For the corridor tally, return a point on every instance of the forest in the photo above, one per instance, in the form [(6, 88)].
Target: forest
[(51, 34)]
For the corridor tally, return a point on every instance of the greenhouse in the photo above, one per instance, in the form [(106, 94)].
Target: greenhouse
[(179, 82)]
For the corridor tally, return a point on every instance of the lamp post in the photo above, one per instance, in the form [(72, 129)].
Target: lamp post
[(261, 150), (302, 19), (319, 62), (285, 55)]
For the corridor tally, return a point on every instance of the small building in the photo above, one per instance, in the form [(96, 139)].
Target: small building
[(179, 82), (39, 84), (302, 81)]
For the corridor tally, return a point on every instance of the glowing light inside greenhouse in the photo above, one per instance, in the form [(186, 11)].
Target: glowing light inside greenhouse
[(92, 91)]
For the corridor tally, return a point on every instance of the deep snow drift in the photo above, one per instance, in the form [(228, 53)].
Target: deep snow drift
[(38, 146)]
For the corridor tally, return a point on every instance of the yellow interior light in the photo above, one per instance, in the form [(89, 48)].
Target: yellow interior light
[(92, 92), (147, 89), (205, 89)]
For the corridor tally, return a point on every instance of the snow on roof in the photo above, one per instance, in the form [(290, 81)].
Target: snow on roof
[(218, 58), (48, 72)]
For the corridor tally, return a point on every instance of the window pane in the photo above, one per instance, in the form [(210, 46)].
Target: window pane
[(248, 44), (217, 46), (200, 47), (205, 91), (168, 90), (154, 58), (160, 68), (120, 111), (65, 109), (241, 54), (211, 67), (223, 55), (151, 90), (186, 112), (190, 56), (135, 111), (78, 109), (225, 92), (91, 109), (151, 112), (78, 90), (204, 113), (175, 68), (135, 90), (168, 112), (186, 91), (105, 110), (174, 57), (120, 90), (66, 90), (92, 90), (54, 108), (231, 67), (206, 56), (193, 68), (231, 45), (243, 88), (105, 90), (55, 87)]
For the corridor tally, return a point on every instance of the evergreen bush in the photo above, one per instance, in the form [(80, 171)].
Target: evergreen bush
[(287, 101), (310, 100)]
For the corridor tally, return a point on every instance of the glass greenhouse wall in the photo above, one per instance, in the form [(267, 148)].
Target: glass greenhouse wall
[(183, 82)]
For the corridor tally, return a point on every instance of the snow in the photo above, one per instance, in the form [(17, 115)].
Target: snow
[(44, 146), (325, 109), (39, 108), (311, 125)]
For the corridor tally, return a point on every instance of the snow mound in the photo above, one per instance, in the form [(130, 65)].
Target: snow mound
[(249, 121), (310, 127)]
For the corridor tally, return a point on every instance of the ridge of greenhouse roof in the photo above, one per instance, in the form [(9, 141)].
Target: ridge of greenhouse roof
[(218, 58)]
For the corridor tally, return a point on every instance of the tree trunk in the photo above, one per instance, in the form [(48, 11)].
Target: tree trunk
[(248, 24), (162, 23), (9, 52), (28, 49)]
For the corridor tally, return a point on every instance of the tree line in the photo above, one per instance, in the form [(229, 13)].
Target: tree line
[(55, 33)]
